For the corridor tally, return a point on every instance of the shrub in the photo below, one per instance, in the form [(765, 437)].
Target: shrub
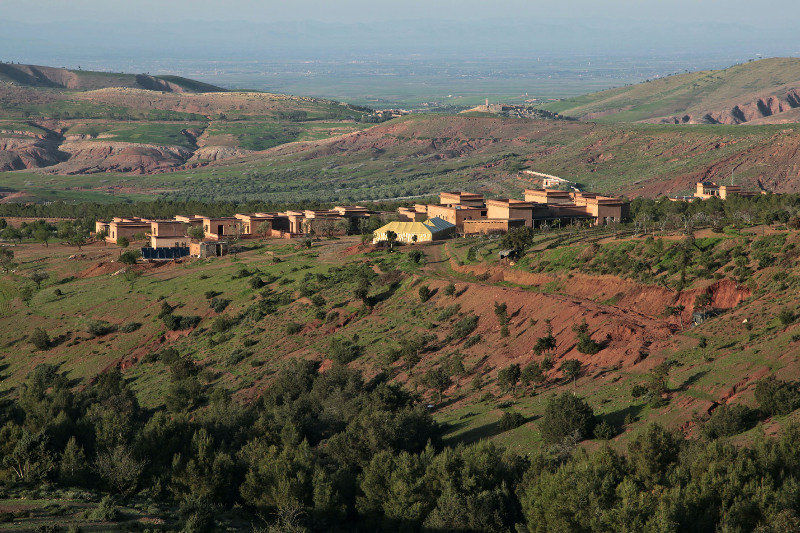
[(99, 328), (605, 431), (727, 420), (450, 289), (508, 377), (218, 304), (510, 420), (344, 350), (211, 294), (128, 257), (130, 327), (465, 326), (504, 331), (415, 256), (256, 282), (40, 339), (222, 324), (638, 391), (448, 312), (501, 311), (293, 328), (318, 300), (472, 341), (776, 397), (566, 415), (106, 511), (532, 373), (585, 343), (425, 293), (123, 242), (786, 316)]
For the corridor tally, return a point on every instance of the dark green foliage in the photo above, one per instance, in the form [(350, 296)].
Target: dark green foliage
[(438, 380), (448, 312), (501, 311), (585, 343), (727, 420), (518, 239), (40, 339), (508, 377), (472, 341), (510, 420), (532, 374), (565, 416), (450, 289), (256, 282), (344, 350), (547, 343), (99, 328), (415, 256), (605, 431), (464, 327), (571, 368), (130, 327), (425, 293), (292, 328), (223, 323), (786, 316), (776, 397), (128, 257), (218, 304)]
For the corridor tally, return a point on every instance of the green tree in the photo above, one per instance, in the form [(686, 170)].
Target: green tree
[(196, 233), (7, 259), (40, 339), (571, 368), (391, 238), (438, 380), (566, 415), (508, 377), (42, 235), (38, 276), (123, 241)]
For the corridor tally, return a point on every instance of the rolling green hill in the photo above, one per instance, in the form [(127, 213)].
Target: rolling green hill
[(739, 94)]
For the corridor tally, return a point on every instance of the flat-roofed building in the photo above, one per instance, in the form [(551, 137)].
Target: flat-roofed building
[(256, 224), (488, 226), (168, 233), (509, 209), (547, 196), (456, 214), (128, 228), (100, 226), (412, 214), (217, 228), (604, 209), (191, 220), (468, 199)]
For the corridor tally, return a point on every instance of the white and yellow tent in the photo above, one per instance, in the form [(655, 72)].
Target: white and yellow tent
[(411, 232)]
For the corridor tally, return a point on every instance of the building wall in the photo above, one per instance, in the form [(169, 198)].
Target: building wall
[(168, 242), (115, 230), (488, 226)]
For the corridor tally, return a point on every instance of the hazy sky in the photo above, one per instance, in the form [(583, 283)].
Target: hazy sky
[(772, 12)]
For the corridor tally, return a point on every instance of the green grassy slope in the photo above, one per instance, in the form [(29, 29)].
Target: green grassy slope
[(682, 93)]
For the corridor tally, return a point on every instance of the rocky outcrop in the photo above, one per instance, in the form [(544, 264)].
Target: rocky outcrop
[(87, 157), (217, 153), (19, 153), (763, 109)]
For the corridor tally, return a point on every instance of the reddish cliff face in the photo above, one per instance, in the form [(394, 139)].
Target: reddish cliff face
[(770, 108), (19, 153)]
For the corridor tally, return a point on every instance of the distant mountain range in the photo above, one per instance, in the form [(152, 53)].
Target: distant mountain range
[(759, 92), (41, 76)]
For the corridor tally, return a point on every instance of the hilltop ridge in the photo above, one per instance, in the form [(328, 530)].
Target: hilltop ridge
[(764, 91), (84, 80)]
